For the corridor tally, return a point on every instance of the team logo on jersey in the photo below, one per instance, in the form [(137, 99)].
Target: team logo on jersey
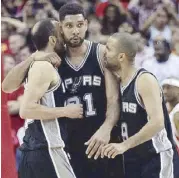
[(73, 85), (129, 107), (76, 84)]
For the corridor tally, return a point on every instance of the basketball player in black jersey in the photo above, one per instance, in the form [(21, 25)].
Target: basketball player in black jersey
[(84, 81), (42, 149), (145, 128)]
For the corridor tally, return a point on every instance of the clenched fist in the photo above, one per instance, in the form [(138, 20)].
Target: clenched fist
[(74, 111)]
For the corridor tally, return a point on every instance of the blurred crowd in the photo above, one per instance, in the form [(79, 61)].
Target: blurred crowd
[(153, 23)]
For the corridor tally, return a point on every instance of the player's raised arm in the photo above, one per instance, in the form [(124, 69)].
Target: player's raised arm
[(16, 76), (39, 81)]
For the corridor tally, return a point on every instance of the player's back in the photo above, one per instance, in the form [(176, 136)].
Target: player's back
[(134, 117), (84, 84), (43, 133)]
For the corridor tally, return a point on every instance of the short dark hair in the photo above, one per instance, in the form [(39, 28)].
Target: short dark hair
[(70, 9), (126, 44), (41, 32)]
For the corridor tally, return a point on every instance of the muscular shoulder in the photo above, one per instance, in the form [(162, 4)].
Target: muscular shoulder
[(147, 83), (176, 116), (42, 70), (42, 66)]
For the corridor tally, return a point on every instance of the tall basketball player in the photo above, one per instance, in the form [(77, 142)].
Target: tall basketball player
[(171, 93), (145, 128), (42, 150), (87, 82)]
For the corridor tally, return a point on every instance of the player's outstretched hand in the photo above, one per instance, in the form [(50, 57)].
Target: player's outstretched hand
[(74, 111), (53, 57), (113, 149), (97, 142)]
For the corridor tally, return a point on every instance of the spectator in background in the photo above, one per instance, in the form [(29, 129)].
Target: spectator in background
[(159, 22), (171, 93), (13, 103), (162, 65), (9, 63), (141, 10), (101, 6), (16, 41), (144, 52), (126, 27), (94, 30), (4, 38), (112, 20), (175, 43), (160, 25), (23, 54), (34, 11)]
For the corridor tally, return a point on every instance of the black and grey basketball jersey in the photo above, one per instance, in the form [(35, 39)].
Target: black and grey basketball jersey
[(43, 133), (134, 117), (84, 84)]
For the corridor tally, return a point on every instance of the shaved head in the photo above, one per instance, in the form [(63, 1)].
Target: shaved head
[(47, 32), (126, 43), (41, 32), (121, 49)]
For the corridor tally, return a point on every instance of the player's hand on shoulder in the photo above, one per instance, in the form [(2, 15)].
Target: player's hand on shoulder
[(53, 57), (74, 111)]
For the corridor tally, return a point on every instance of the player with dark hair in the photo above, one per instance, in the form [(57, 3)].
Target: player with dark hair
[(42, 149), (145, 128), (86, 81)]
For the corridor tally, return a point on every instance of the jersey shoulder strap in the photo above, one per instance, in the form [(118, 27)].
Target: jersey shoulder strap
[(95, 54)]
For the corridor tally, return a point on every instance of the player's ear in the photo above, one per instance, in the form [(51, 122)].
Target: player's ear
[(60, 27), (86, 24), (52, 40), (121, 56)]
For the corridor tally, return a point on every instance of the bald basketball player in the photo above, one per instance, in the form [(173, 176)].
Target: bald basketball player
[(145, 128), (42, 149)]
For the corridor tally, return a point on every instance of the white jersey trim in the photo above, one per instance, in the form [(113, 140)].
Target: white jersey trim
[(174, 130), (83, 61), (166, 161), (99, 59)]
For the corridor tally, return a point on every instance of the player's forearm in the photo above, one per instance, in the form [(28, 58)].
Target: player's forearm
[(40, 112), (15, 77), (145, 134), (112, 114)]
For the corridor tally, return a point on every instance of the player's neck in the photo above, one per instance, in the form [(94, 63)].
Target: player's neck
[(48, 49), (77, 51), (126, 74)]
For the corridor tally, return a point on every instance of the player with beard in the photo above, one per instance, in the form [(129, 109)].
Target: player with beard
[(147, 144), (85, 81), (42, 149)]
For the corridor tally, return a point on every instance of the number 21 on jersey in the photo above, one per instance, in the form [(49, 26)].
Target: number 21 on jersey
[(88, 99)]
